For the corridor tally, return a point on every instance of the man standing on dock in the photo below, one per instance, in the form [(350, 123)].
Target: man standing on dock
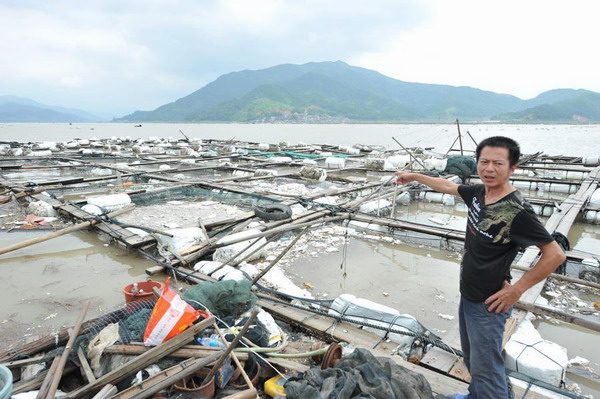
[(499, 223)]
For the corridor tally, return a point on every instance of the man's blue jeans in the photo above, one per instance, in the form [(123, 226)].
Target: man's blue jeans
[(481, 334)]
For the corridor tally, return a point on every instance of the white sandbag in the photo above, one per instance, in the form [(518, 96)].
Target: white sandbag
[(591, 161), (158, 150), (249, 269), (108, 336), (265, 172), (242, 173), (374, 206), (263, 147), (101, 172), (435, 164), (45, 145), (93, 209), (528, 353), (293, 188), (207, 266), (376, 164), (110, 202), (41, 208), (353, 151), (268, 322), (335, 162), (279, 281), (330, 200), (280, 159), (225, 253), (182, 239), (595, 199), (39, 154), (235, 275), (313, 174), (222, 272), (445, 199), (399, 161), (297, 209), (403, 198)]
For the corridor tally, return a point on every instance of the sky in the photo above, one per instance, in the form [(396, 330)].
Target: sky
[(114, 57)]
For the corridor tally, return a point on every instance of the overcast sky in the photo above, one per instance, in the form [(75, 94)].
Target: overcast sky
[(114, 57)]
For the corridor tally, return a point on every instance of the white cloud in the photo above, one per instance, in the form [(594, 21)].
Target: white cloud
[(515, 47), (121, 56)]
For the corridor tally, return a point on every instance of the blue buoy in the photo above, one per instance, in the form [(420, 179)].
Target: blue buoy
[(6, 382)]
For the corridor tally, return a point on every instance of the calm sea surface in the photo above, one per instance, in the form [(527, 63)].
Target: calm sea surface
[(580, 140)]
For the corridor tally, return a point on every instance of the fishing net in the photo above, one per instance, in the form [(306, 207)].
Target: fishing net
[(222, 298), (131, 319), (462, 166)]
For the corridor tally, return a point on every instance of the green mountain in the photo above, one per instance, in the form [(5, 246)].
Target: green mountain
[(562, 105), (312, 93), (335, 91)]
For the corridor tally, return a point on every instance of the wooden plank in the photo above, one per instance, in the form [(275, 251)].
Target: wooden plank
[(119, 233), (86, 370)]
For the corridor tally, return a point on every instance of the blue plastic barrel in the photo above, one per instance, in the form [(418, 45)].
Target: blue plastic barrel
[(6, 381)]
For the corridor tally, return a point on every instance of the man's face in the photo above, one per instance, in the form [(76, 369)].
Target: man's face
[(493, 166)]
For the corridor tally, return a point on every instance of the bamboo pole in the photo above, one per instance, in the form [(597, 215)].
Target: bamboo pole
[(56, 377), (106, 392), (43, 391), (235, 359), (459, 137), (166, 378), (548, 311), (278, 258), (410, 153), (77, 227), (229, 349), (185, 352)]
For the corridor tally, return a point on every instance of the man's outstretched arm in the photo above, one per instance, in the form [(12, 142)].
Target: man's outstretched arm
[(438, 184)]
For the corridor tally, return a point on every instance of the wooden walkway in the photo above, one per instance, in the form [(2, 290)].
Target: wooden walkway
[(129, 239)]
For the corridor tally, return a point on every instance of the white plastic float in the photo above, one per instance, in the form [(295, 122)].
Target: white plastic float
[(110, 202), (335, 162), (445, 199), (226, 252), (363, 310), (181, 239), (528, 353)]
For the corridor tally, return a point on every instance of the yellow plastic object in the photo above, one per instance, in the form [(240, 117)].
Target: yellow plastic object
[(597, 305), (274, 386)]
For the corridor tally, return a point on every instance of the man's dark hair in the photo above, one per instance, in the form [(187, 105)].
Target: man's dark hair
[(514, 152)]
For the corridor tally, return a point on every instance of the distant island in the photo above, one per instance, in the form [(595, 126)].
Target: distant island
[(21, 109), (330, 92), (333, 92)]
